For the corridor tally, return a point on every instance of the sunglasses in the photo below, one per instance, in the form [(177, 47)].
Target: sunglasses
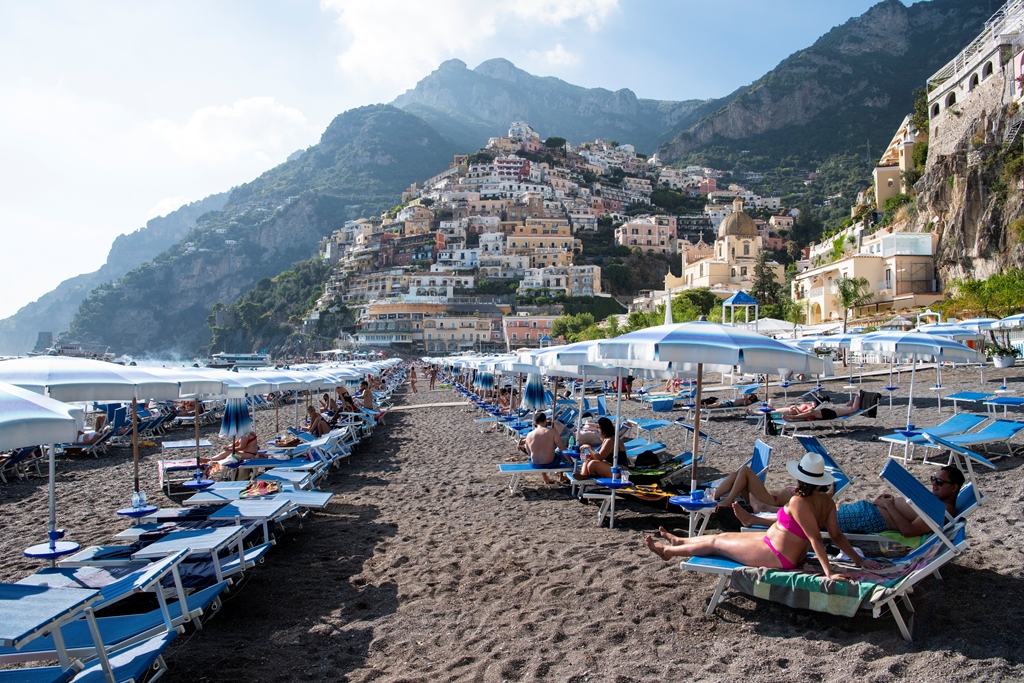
[(940, 482)]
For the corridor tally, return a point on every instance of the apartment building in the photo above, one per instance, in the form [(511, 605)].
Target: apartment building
[(567, 280)]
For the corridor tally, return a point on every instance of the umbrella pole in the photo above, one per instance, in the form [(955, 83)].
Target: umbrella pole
[(135, 440), (196, 421), (910, 399), (579, 418), (277, 414), (696, 445), (618, 422), (53, 499)]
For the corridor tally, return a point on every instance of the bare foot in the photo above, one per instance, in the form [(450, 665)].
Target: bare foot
[(546, 478), (745, 518), (656, 548), (671, 538)]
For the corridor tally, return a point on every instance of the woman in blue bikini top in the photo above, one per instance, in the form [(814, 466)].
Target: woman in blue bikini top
[(785, 544)]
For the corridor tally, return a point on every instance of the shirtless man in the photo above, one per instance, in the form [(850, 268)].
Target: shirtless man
[(540, 444), (367, 395), (825, 413), (885, 513)]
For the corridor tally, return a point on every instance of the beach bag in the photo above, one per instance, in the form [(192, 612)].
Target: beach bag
[(770, 428)]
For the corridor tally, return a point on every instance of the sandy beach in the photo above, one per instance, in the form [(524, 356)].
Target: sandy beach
[(425, 568)]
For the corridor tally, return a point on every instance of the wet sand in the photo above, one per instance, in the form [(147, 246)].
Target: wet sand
[(425, 568)]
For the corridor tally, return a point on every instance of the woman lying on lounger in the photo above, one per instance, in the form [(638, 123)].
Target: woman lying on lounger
[(747, 400), (825, 413), (243, 448), (785, 544)]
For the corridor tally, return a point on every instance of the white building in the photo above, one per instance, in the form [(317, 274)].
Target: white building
[(568, 280)]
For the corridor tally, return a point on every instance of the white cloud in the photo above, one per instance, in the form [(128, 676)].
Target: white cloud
[(165, 206), (257, 128), (393, 43), (558, 56)]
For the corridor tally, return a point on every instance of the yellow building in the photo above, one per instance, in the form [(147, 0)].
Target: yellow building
[(731, 263), (895, 162), (899, 268)]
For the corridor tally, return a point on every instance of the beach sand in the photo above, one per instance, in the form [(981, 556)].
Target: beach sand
[(425, 568)]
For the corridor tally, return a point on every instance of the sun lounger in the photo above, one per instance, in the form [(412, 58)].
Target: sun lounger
[(967, 396), (964, 459), (519, 469), (124, 629), (810, 591), (17, 463), (955, 425), (869, 408), (999, 432), (132, 663), (1004, 402)]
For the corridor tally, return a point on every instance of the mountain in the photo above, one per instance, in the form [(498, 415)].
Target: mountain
[(54, 311), (365, 159), (469, 106), (854, 85)]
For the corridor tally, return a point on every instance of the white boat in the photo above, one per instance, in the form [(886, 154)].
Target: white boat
[(239, 360)]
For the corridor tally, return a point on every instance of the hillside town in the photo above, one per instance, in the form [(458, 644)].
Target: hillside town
[(421, 277), (503, 215)]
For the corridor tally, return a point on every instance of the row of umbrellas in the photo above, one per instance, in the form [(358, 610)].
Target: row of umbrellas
[(691, 349), (34, 393)]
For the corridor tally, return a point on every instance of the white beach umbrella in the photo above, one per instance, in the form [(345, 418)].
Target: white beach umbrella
[(82, 380), (701, 345), (28, 419), (916, 344)]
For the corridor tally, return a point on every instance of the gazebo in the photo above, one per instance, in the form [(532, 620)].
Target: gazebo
[(743, 299)]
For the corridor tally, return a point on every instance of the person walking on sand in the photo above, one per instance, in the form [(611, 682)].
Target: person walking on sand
[(432, 373), (412, 378)]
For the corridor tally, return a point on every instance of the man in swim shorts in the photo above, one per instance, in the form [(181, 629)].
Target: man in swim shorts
[(540, 445)]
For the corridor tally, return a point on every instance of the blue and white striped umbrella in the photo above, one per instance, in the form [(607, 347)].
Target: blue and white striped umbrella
[(533, 394), (236, 419), (956, 332), (978, 324), (1010, 322), (916, 344), (694, 345), (486, 380)]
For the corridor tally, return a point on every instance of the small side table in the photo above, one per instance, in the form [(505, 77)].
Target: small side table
[(614, 485)]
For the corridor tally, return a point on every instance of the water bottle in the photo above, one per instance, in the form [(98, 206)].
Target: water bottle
[(572, 443), (142, 499), (625, 476), (136, 501)]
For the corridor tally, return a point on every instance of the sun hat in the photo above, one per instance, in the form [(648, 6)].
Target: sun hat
[(810, 469)]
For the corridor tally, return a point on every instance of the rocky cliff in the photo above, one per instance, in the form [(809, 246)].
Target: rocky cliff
[(54, 311), (364, 159), (854, 85), (972, 190), (469, 106)]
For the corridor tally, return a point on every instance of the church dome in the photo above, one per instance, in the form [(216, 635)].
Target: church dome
[(737, 223)]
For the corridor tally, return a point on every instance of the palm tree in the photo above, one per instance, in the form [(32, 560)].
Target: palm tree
[(852, 292)]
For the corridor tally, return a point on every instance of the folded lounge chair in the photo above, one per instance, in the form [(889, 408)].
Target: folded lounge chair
[(999, 432)]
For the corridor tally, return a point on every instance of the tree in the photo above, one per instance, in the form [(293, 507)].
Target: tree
[(765, 288), (852, 292), (571, 327), (555, 142)]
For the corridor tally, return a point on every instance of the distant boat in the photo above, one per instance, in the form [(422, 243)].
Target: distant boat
[(76, 350), (239, 360)]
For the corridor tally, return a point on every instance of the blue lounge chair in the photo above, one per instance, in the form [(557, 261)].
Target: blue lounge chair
[(968, 396), (955, 425), (132, 663), (999, 432), (17, 463), (964, 459)]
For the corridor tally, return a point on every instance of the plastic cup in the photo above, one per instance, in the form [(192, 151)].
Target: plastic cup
[(709, 494)]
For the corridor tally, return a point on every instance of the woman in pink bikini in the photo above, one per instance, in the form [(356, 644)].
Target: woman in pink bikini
[(785, 544)]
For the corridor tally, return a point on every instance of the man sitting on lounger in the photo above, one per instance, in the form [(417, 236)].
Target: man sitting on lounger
[(741, 402), (540, 445), (825, 413), (885, 513)]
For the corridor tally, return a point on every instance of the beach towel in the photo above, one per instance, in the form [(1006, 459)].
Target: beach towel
[(256, 489), (811, 590)]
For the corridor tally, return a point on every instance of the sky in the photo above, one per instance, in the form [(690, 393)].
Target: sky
[(113, 113)]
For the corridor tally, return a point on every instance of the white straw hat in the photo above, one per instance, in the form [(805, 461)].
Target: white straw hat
[(810, 469)]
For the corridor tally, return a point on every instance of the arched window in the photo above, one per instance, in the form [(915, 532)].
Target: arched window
[(935, 109), (891, 183), (973, 82), (746, 249), (986, 70), (732, 272), (743, 271), (950, 99)]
